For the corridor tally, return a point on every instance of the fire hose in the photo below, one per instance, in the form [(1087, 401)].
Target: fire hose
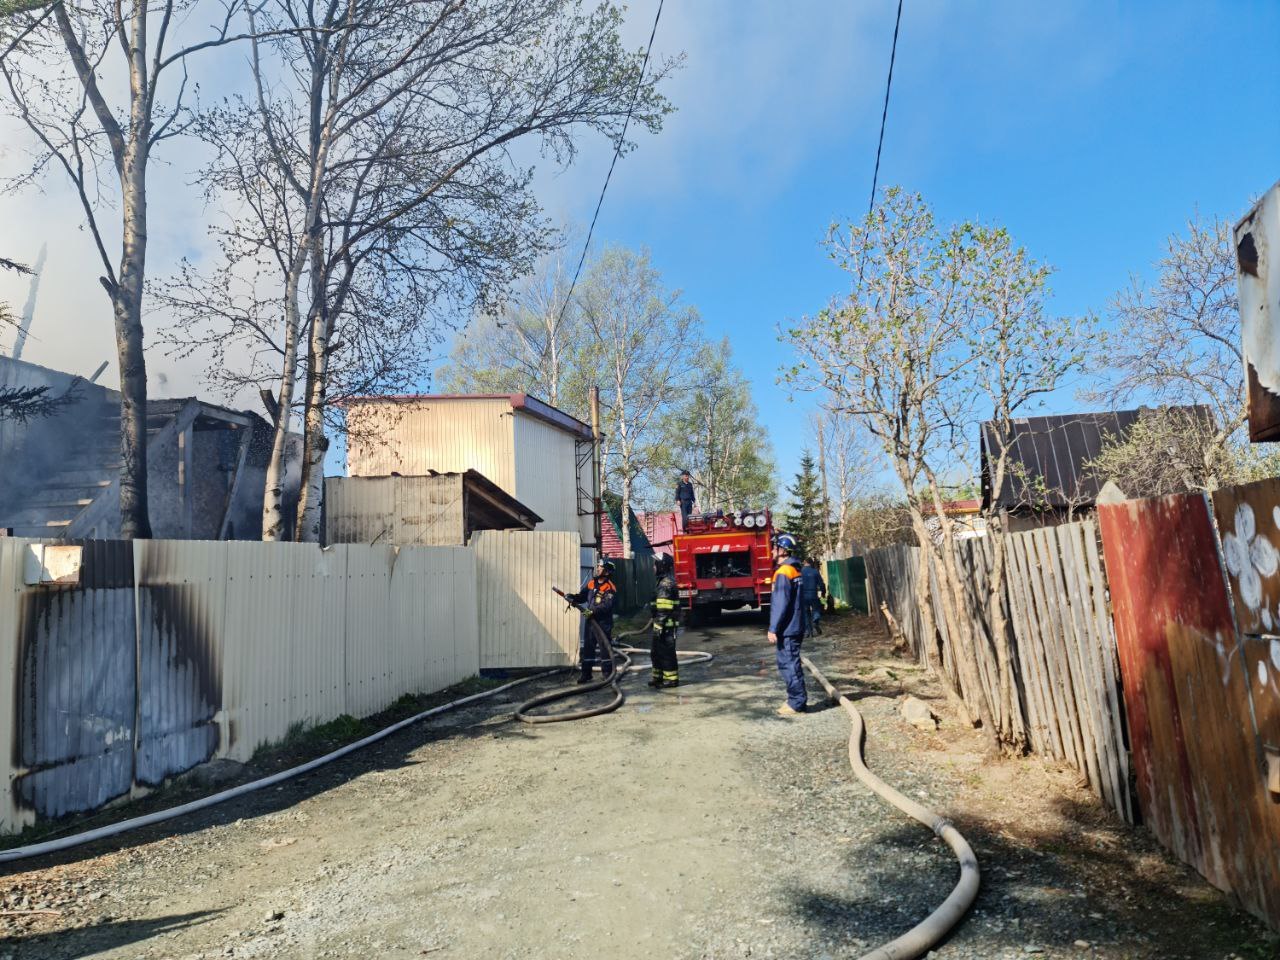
[(929, 931), (611, 655), (160, 816)]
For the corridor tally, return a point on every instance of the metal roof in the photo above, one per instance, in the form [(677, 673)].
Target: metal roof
[(1058, 451)]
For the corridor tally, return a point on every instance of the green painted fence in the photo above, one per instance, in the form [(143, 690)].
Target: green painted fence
[(847, 582)]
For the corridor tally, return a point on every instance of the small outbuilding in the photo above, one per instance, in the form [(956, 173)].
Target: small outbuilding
[(439, 509)]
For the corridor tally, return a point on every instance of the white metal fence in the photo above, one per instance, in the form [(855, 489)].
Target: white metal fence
[(168, 653)]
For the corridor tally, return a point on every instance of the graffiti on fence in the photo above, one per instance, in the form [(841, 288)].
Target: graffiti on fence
[(1187, 688)]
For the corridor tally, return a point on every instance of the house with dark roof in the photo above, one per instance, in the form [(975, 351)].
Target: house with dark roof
[(1048, 479)]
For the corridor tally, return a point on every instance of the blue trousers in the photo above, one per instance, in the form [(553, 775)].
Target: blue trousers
[(591, 654), (792, 671)]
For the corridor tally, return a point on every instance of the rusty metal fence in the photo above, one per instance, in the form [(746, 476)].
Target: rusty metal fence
[(1155, 672)]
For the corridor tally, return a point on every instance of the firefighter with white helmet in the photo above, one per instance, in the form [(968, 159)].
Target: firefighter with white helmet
[(597, 596), (666, 617)]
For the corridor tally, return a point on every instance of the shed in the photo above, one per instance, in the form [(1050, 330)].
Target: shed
[(1049, 459), (440, 509), (533, 451)]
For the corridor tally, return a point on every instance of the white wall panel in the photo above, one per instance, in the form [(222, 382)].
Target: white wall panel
[(413, 437), (522, 623)]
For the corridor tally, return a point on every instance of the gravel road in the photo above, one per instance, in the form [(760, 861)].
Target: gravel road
[(692, 823)]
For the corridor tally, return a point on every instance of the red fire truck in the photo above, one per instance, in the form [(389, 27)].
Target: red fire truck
[(724, 561)]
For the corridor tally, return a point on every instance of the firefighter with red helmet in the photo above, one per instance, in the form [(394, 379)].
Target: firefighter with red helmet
[(666, 618), (597, 597)]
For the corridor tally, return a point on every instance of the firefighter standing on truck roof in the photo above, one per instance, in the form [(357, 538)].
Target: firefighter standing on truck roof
[(684, 497), (786, 624), (598, 595), (666, 614)]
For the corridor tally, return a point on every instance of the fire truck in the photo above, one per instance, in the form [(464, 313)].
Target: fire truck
[(724, 561)]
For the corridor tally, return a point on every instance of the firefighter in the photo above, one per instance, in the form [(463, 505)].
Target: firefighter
[(666, 617), (684, 497), (598, 595), (786, 623), (812, 589)]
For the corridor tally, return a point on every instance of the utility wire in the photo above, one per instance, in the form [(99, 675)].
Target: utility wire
[(884, 115), (884, 118), (617, 151)]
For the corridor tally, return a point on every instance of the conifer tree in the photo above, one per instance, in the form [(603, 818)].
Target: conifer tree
[(803, 518)]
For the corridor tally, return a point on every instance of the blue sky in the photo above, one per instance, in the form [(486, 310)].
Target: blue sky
[(1092, 131)]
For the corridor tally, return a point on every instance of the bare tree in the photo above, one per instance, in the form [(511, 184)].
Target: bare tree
[(894, 355), (849, 461), (1177, 341), (52, 58), (1021, 353), (384, 134), (638, 327)]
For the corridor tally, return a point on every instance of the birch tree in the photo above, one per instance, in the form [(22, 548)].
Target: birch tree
[(713, 430), (641, 332), (389, 130), (536, 343), (102, 137)]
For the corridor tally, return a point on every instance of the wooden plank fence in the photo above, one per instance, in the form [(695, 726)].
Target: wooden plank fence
[(1064, 650)]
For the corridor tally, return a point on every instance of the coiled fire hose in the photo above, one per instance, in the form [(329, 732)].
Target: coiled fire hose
[(926, 934), (611, 653)]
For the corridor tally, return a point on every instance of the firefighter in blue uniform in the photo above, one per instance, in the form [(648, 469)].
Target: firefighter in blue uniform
[(666, 617), (786, 623), (598, 595)]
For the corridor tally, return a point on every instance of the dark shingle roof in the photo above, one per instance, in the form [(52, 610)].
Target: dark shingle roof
[(1058, 450)]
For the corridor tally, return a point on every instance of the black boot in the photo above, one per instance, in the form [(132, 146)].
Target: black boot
[(584, 678)]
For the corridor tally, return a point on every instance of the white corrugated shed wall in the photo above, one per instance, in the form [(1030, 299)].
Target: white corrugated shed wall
[(522, 623), (423, 511), (413, 437), (547, 481)]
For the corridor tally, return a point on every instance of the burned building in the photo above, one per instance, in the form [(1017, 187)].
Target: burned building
[(60, 472)]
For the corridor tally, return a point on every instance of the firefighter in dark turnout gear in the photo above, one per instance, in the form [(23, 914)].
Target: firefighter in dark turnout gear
[(666, 617), (597, 595)]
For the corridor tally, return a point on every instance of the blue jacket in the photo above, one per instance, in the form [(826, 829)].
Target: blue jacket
[(811, 583), (598, 596), (786, 613)]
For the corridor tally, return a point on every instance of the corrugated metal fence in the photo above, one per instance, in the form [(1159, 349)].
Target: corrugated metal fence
[(847, 582), (168, 653)]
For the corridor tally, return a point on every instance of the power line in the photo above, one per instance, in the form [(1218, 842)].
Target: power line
[(617, 151), (884, 115)]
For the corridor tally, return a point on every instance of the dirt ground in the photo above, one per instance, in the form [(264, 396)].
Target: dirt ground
[(692, 823)]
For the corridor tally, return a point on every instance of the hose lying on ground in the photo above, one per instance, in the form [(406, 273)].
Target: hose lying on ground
[(926, 934), (114, 829), (613, 680)]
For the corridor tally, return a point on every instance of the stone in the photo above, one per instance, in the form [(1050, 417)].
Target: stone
[(215, 773), (917, 713)]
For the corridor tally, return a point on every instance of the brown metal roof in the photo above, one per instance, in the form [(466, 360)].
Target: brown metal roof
[(1058, 451)]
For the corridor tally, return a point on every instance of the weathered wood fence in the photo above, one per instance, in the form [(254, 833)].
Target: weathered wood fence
[(1169, 654), (1064, 661)]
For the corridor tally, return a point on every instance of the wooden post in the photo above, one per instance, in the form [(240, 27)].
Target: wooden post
[(597, 504)]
